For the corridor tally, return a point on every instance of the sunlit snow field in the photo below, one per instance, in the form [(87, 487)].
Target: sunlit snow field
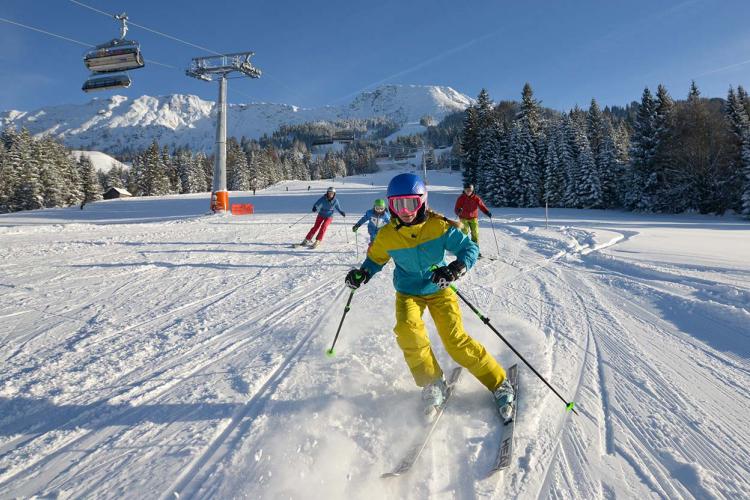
[(148, 349)]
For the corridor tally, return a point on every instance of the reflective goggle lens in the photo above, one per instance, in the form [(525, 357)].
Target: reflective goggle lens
[(406, 205)]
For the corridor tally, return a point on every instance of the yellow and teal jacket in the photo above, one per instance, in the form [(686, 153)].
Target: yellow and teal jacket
[(416, 249)]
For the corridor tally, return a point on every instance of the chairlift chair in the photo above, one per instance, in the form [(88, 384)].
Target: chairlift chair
[(106, 82), (114, 57)]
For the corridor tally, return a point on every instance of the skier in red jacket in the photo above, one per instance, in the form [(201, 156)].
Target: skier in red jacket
[(467, 209)]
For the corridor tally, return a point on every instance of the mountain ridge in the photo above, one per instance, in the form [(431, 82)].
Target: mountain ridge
[(116, 124)]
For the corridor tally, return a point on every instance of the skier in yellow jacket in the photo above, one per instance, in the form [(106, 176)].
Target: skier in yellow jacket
[(417, 239)]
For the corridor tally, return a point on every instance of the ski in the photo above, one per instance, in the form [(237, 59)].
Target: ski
[(505, 453), (420, 444)]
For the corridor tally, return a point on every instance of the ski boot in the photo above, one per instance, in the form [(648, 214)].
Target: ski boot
[(316, 244), (433, 397), (505, 400), (305, 243)]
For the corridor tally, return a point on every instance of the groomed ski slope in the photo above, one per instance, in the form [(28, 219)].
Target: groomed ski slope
[(148, 350)]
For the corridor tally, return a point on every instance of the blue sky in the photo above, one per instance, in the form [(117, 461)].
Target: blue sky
[(324, 52)]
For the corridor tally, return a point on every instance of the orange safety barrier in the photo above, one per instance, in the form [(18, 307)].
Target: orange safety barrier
[(220, 201), (242, 208)]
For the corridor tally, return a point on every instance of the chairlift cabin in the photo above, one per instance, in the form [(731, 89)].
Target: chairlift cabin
[(320, 141), (114, 57), (344, 136), (106, 82)]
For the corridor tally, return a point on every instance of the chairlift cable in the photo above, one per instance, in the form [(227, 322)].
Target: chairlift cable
[(91, 45), (72, 40), (166, 35), (45, 32), (131, 23)]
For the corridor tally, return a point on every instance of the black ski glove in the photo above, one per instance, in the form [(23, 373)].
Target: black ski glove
[(356, 277), (489, 214), (343, 214), (444, 276), (315, 208), (355, 228)]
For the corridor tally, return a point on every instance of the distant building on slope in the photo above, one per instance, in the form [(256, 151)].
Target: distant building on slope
[(114, 192)]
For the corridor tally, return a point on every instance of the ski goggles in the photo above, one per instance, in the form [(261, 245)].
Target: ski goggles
[(407, 205)]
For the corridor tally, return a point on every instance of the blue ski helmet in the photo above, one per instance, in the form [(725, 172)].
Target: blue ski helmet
[(406, 184)]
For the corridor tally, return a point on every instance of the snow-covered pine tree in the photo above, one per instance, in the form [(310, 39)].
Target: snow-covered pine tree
[(744, 98), (68, 166), (8, 174), (557, 156), (585, 176), (470, 145), (170, 170), (198, 181), (642, 152), (204, 164), (114, 178), (567, 155), (6, 181), (488, 149), (610, 167), (27, 194), (497, 178), (155, 179), (50, 175), (253, 169), (530, 113), (92, 190), (238, 172), (136, 180), (668, 185), (524, 177), (183, 159), (694, 93), (738, 115), (595, 128), (746, 172), (526, 170)]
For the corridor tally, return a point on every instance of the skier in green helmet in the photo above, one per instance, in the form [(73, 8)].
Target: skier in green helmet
[(376, 218)]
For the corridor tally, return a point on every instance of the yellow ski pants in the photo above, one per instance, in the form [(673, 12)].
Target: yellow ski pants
[(413, 340), (473, 226)]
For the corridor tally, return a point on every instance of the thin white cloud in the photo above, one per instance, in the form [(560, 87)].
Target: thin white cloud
[(723, 68)]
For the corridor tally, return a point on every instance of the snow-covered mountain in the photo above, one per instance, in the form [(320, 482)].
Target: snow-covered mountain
[(117, 123), (102, 161)]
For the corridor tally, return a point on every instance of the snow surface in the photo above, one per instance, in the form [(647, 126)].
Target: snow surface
[(149, 350), (102, 161), (116, 124)]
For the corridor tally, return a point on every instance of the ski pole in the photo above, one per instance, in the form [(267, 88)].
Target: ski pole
[(568, 405), (330, 352), (299, 220), (493, 234)]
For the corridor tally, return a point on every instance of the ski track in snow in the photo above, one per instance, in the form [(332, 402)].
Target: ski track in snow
[(182, 354)]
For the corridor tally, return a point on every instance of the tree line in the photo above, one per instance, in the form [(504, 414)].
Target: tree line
[(42, 173), (659, 155)]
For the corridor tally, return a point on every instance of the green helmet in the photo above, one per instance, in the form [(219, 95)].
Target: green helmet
[(379, 203)]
